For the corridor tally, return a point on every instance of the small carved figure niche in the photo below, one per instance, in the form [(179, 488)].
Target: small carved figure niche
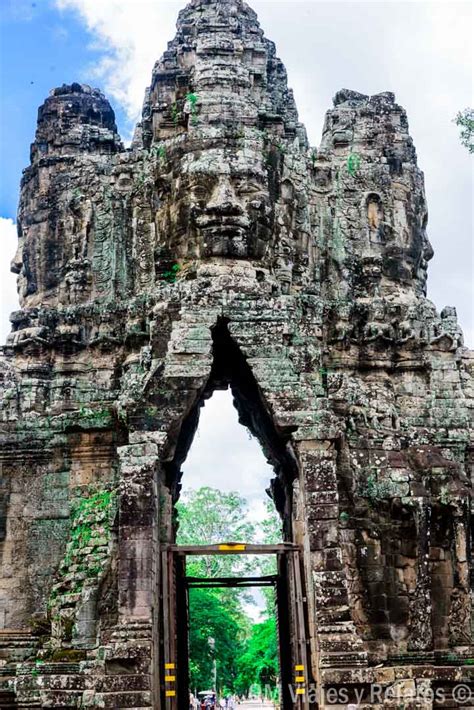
[(375, 217)]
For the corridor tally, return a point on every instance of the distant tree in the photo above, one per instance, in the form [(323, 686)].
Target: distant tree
[(209, 516), (270, 527), (218, 616), (244, 653), (269, 531), (465, 121), (259, 664)]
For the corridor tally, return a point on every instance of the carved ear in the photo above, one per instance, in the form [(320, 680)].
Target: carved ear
[(287, 190)]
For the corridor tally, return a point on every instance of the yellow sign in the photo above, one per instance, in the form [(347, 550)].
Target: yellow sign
[(300, 691), (299, 668), (169, 666), (170, 678), (172, 693), (232, 548), (299, 679)]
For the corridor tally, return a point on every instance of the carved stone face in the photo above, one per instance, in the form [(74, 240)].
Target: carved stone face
[(406, 257), (422, 253), (21, 265), (219, 204)]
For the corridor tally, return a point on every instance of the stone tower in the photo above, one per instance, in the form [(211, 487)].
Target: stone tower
[(221, 250)]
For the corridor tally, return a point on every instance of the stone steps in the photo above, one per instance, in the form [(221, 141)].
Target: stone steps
[(17, 645), (8, 671), (427, 658), (340, 646), (59, 668), (66, 686)]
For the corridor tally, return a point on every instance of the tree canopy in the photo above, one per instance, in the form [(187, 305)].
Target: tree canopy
[(465, 121)]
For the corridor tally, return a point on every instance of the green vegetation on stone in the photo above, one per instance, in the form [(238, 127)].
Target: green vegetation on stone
[(175, 113), (193, 99), (375, 490), (171, 274), (87, 547), (95, 417), (353, 163)]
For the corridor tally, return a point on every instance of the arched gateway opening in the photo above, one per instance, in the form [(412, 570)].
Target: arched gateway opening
[(231, 370)]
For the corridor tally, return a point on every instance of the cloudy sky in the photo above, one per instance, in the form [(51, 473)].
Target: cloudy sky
[(224, 455), (419, 50)]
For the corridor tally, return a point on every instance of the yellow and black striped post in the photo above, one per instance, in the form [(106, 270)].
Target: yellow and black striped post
[(300, 680), (170, 680)]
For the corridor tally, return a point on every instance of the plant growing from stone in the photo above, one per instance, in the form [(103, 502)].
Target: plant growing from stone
[(192, 98), (171, 274), (353, 163), (174, 113)]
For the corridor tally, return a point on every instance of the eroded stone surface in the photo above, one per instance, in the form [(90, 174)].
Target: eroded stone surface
[(149, 276)]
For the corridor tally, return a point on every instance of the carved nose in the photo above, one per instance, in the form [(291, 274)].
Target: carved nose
[(428, 251), (223, 198), (17, 261)]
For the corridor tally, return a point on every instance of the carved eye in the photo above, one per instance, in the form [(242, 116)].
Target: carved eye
[(198, 192), (247, 187)]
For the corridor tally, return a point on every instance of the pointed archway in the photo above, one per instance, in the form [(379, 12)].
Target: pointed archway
[(162, 425), (230, 369)]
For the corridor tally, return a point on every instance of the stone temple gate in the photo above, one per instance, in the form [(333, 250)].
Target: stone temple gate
[(220, 249)]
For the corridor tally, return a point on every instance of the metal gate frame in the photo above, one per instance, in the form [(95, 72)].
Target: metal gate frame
[(293, 646)]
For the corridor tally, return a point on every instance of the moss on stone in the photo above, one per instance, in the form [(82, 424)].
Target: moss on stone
[(86, 550)]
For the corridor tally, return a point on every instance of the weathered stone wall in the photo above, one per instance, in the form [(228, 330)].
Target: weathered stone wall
[(221, 249)]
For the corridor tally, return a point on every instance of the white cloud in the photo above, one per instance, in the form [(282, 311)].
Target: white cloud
[(224, 456), (8, 294), (132, 34)]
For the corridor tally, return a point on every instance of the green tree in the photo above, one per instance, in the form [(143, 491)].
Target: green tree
[(244, 654), (465, 121), (209, 516), (269, 529), (217, 616), (269, 532), (259, 664)]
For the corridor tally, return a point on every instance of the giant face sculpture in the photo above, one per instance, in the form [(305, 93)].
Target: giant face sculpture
[(389, 245), (216, 202), (407, 253)]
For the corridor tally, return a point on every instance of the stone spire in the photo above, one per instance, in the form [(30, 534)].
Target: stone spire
[(76, 135), (74, 119), (376, 198), (219, 71)]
